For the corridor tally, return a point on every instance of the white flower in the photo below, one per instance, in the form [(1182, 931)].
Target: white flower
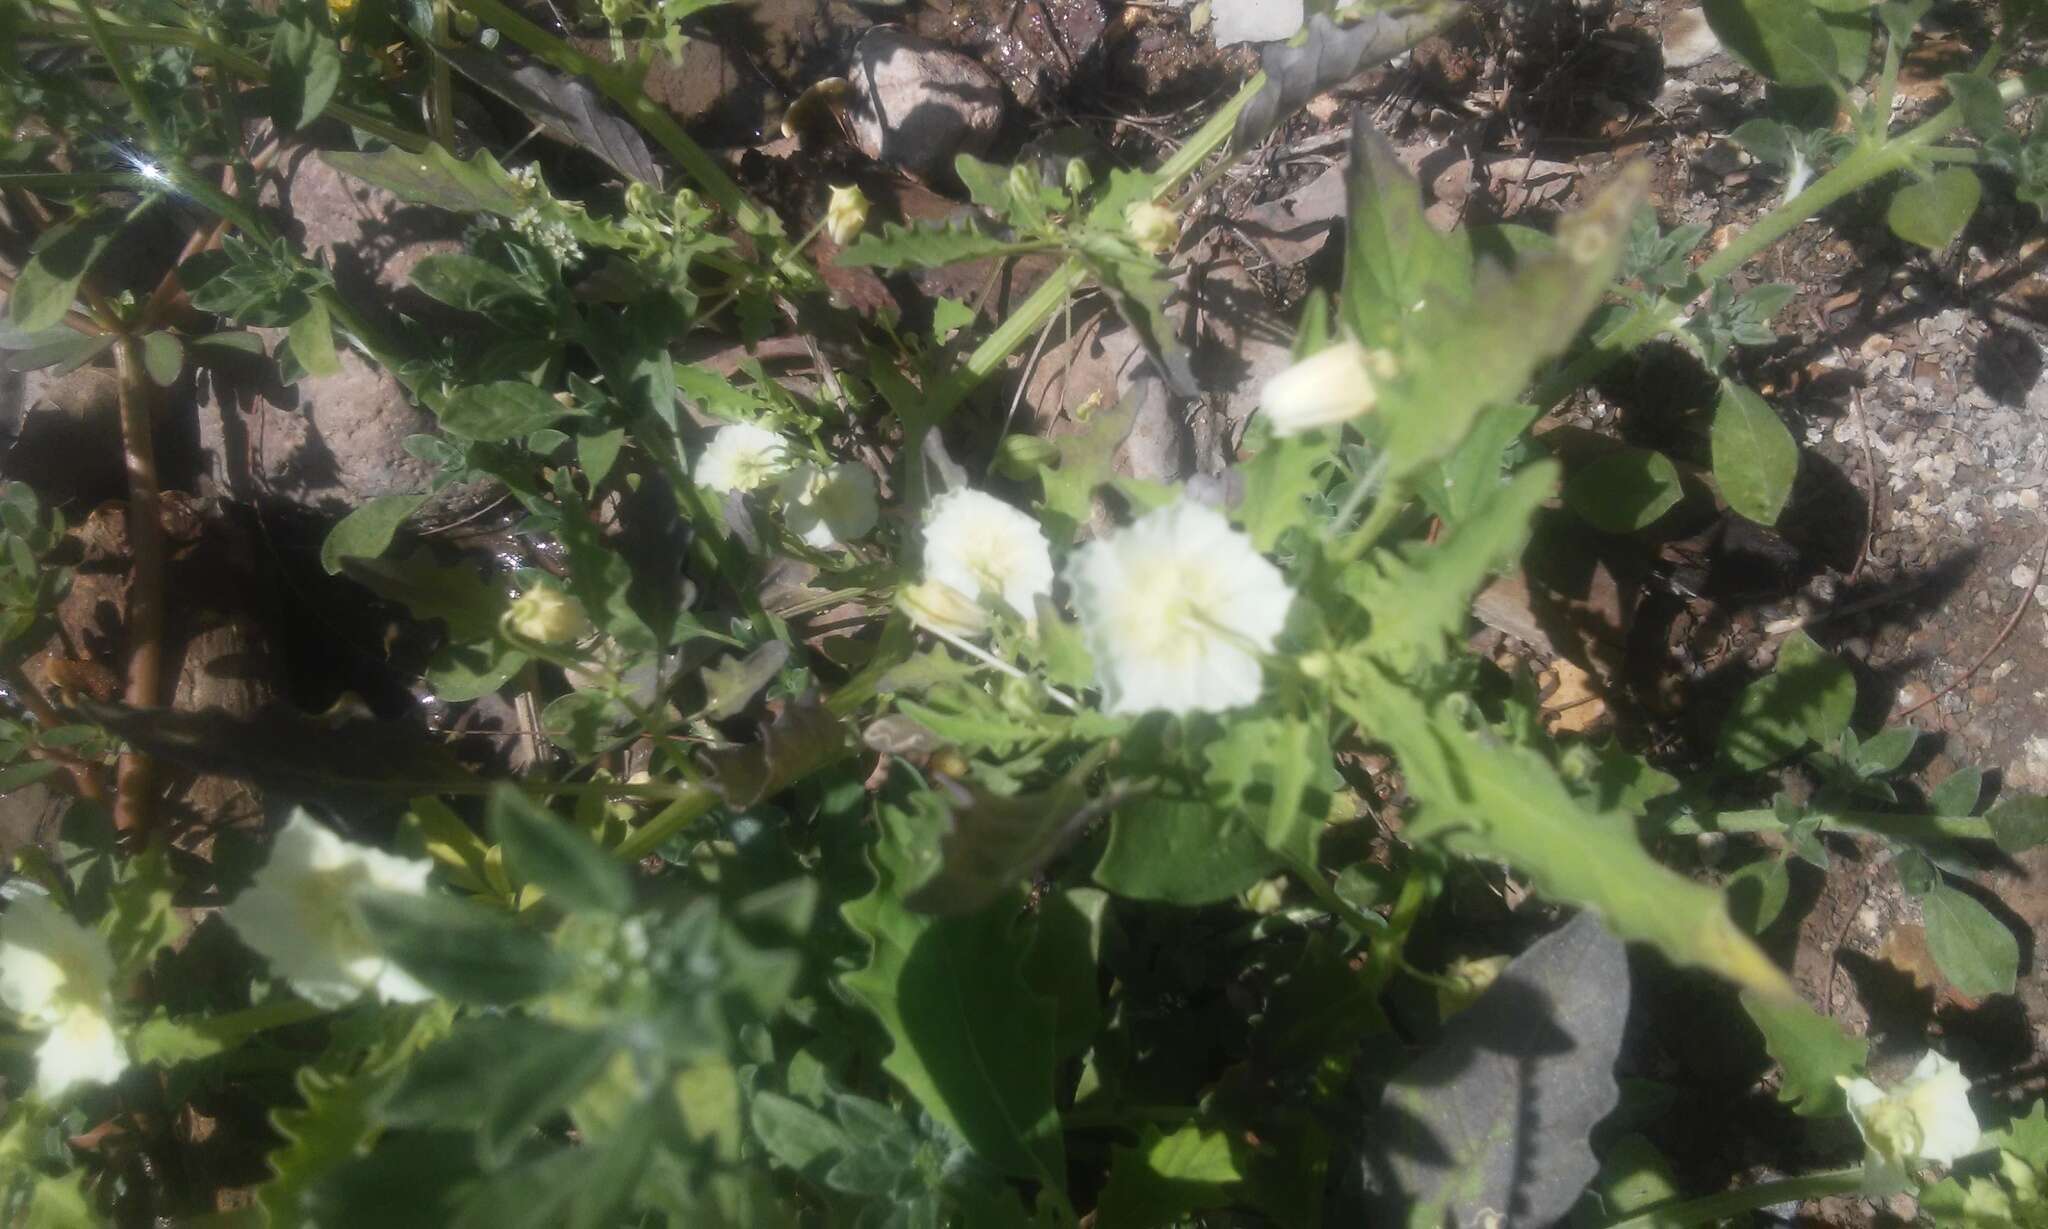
[(548, 615), (1926, 1117), (300, 915), (1154, 228), (741, 457), (938, 607), (1177, 610), (985, 548), (825, 507), (57, 975), (1333, 385), (846, 215)]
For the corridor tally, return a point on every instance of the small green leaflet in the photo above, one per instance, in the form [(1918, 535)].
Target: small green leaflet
[(1976, 952), (1755, 457), (1934, 211), (1808, 697), (49, 282), (1626, 490), (305, 69)]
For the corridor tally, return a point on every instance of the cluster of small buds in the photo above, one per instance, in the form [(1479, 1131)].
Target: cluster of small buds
[(552, 237)]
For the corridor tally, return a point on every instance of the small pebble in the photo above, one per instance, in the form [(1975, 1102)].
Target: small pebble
[(2024, 576)]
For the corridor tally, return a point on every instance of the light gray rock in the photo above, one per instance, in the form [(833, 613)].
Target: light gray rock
[(1688, 39), (1254, 21), (918, 103), (327, 443)]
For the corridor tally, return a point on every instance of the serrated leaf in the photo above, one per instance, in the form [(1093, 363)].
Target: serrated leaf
[(899, 247), (1626, 490), (1934, 211), (1974, 950), (1084, 462), (731, 683), (542, 849), (1394, 259), (804, 737), (434, 177), (1812, 1050), (1166, 1177), (970, 1040), (367, 531), (1755, 457), (1484, 797), (989, 843), (463, 951)]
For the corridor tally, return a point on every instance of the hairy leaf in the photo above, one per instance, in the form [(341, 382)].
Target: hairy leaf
[(544, 850), (1394, 259), (1809, 696), (1975, 950), (48, 283), (1788, 41), (1812, 1050), (2018, 823), (434, 177), (305, 69), (1166, 1177), (462, 950), (367, 531), (1184, 853), (1755, 457), (1934, 211), (1626, 490)]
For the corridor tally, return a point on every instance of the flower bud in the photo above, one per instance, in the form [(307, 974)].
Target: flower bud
[(1154, 228), (846, 216), (640, 199), (938, 607), (1079, 178), (1266, 896), (1020, 457), (548, 616), (1468, 980), (1331, 386)]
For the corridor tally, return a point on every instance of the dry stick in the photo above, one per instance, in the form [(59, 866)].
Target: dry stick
[(2004, 634), (136, 775)]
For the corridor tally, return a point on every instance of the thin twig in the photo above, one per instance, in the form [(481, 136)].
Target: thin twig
[(135, 777), (2004, 634)]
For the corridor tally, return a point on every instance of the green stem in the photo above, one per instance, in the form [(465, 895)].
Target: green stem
[(1860, 169), (1864, 823), (687, 809), (1749, 1198), (624, 89), (231, 60), (89, 9)]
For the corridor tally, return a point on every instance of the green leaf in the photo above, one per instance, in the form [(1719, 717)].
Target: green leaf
[(1883, 753), (927, 247), (1084, 464), (367, 531), (1983, 106), (312, 337), (598, 453), (1482, 796), (1757, 894), (553, 1065), (1811, 1048), (1625, 490), (1809, 696), (461, 950), (305, 68), (1788, 41), (435, 177), (442, 1086), (500, 410), (48, 284), (1934, 211), (2018, 824), (1166, 1177), (971, 1041), (988, 843), (797, 1135), (1183, 853), (541, 849), (1066, 949), (1755, 457), (1278, 482), (1394, 259), (1974, 950), (1959, 793), (467, 282), (162, 358), (732, 682)]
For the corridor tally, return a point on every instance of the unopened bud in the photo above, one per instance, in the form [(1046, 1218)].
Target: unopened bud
[(547, 616)]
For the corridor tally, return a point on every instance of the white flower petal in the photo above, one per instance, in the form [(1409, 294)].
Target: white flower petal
[(1177, 610), (1331, 386), (299, 914), (985, 548), (828, 507), (48, 962), (81, 1049), (1925, 1117), (741, 457)]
